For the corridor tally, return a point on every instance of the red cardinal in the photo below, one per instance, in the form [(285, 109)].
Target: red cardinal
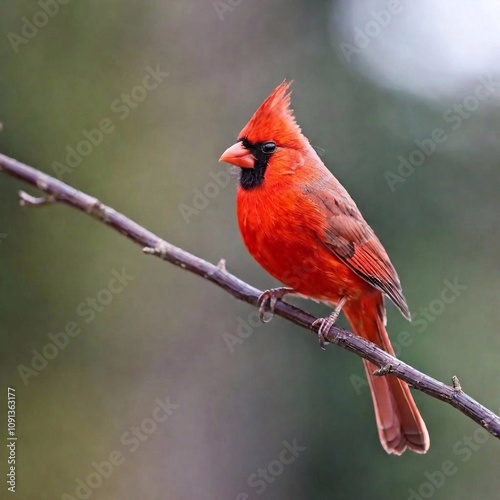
[(301, 225)]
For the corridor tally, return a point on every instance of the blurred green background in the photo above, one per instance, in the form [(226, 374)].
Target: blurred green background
[(162, 335)]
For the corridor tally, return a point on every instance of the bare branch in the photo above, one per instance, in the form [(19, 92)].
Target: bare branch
[(57, 191)]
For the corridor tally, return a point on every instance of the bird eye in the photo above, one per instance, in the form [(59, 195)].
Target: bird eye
[(268, 147)]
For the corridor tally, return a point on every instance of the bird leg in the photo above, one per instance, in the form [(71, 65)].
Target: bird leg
[(267, 301), (325, 324)]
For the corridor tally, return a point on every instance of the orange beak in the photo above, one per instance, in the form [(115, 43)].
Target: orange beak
[(239, 156)]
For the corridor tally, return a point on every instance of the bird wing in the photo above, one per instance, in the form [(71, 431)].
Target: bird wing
[(351, 239)]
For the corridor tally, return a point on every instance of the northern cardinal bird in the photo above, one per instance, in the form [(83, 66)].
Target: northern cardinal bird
[(301, 225)]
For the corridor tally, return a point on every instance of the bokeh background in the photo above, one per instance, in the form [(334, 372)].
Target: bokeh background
[(371, 79)]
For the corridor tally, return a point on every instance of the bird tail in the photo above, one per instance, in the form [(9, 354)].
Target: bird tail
[(399, 423)]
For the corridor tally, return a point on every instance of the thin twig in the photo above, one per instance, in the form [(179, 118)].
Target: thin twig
[(58, 191), (27, 199)]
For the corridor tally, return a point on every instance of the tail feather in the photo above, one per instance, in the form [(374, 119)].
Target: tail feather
[(399, 423)]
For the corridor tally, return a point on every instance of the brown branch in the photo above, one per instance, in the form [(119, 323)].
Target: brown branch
[(57, 191)]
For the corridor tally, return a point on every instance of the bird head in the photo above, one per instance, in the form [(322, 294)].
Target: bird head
[(271, 131)]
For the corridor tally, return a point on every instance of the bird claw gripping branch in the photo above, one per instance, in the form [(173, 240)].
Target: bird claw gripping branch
[(267, 301)]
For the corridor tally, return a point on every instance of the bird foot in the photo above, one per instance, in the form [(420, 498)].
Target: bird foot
[(326, 324), (267, 301)]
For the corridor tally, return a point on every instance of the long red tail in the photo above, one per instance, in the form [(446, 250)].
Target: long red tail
[(400, 425)]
